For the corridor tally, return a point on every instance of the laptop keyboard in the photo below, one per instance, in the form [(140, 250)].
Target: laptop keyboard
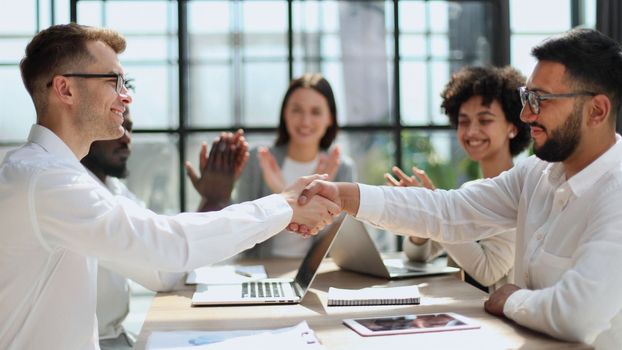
[(262, 290)]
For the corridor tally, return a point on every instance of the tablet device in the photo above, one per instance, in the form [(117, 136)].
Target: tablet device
[(446, 321)]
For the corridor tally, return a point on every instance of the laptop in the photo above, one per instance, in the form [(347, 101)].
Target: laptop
[(354, 250), (271, 290)]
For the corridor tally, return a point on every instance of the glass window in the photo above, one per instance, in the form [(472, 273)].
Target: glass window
[(264, 86), (529, 28), (521, 46), (155, 17), (91, 13), (12, 49), (434, 42), (348, 43), (18, 112), (18, 17), (414, 92), (154, 171), (210, 95), (534, 16), (149, 48), (155, 97)]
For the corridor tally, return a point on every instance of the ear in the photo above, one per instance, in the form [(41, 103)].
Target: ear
[(63, 90), (599, 110), (512, 131)]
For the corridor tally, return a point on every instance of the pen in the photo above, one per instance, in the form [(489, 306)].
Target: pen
[(243, 273)]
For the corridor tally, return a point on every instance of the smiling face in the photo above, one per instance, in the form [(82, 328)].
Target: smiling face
[(100, 108), (483, 131), (556, 130), (307, 117)]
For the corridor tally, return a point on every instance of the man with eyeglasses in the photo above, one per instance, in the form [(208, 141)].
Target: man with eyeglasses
[(107, 163), (58, 221), (565, 202)]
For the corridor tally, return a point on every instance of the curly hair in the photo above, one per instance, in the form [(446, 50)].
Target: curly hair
[(492, 84)]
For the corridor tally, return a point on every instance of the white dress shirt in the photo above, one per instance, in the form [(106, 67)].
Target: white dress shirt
[(57, 221), (568, 238), (113, 289), (489, 261)]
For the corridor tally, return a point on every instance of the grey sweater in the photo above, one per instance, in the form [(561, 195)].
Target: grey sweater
[(251, 186)]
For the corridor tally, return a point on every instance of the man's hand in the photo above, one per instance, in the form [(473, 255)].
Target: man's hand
[(315, 214), (418, 179), (271, 171), (219, 171), (344, 194), (495, 303), (329, 164)]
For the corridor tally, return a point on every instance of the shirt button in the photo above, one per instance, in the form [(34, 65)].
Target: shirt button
[(526, 275)]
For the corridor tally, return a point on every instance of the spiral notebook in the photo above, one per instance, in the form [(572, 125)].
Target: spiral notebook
[(373, 296)]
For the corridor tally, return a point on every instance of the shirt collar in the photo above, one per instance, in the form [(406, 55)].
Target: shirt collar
[(587, 177), (50, 142)]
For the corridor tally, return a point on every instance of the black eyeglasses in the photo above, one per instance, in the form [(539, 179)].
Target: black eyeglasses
[(121, 82), (533, 98)]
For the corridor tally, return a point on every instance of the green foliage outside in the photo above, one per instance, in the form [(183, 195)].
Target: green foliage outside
[(446, 172)]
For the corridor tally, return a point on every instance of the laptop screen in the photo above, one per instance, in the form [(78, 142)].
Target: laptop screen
[(315, 255)]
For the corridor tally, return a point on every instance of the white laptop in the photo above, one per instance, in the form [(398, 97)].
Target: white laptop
[(354, 250), (271, 291)]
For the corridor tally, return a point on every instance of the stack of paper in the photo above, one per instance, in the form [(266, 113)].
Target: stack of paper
[(296, 337)]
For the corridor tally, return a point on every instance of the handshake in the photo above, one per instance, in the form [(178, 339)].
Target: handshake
[(316, 201)]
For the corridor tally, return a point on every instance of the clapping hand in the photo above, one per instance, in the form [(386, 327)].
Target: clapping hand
[(329, 163), (418, 179), (219, 171), (271, 171)]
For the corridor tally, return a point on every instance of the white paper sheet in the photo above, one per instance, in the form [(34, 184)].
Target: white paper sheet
[(226, 274), (296, 337)]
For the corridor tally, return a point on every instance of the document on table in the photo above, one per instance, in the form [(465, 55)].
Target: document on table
[(226, 274), (296, 337)]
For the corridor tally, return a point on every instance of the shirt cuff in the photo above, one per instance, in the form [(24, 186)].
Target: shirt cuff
[(371, 203), (277, 207), (512, 308)]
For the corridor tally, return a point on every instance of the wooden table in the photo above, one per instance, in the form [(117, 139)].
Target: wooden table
[(172, 311)]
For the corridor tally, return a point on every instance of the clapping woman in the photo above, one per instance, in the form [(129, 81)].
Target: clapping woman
[(306, 131)]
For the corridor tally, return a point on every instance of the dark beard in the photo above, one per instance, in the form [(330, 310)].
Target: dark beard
[(95, 160), (119, 171), (563, 141)]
